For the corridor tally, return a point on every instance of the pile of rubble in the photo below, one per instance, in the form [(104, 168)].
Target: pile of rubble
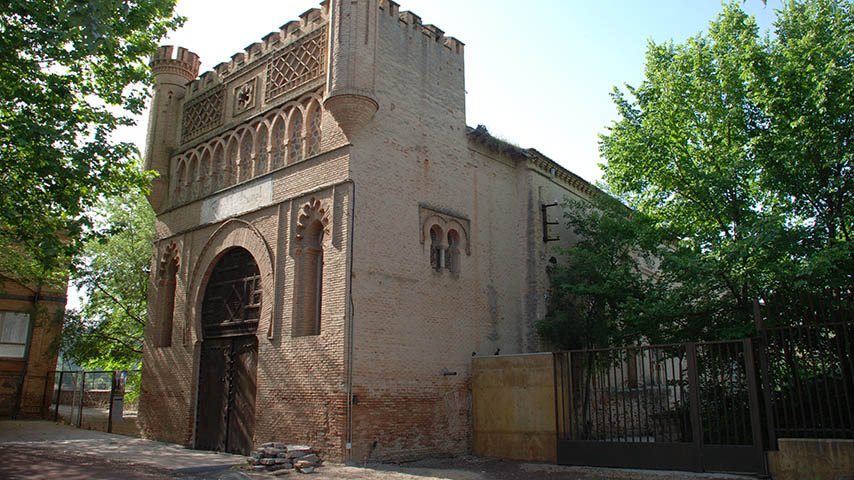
[(275, 456)]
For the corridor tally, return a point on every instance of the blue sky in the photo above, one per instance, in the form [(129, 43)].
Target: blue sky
[(538, 74)]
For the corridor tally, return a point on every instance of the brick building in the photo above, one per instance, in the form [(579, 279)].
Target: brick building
[(30, 323), (333, 243)]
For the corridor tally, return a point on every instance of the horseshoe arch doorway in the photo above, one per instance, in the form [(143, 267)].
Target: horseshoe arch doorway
[(231, 307)]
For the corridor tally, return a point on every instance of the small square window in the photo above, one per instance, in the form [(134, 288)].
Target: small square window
[(14, 327)]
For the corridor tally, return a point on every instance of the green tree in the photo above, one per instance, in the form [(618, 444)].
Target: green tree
[(805, 89), (71, 72), (680, 152), (107, 332), (736, 148), (601, 278)]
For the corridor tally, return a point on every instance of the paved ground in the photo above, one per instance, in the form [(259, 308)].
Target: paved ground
[(40, 449), (51, 447)]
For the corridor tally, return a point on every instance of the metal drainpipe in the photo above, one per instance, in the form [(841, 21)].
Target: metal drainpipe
[(348, 437), (20, 394)]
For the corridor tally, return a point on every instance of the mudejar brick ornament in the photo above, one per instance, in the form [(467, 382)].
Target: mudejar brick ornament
[(331, 238)]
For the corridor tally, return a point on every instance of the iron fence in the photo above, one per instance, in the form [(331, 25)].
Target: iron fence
[(692, 406), (713, 406), (805, 342), (808, 380), (96, 400)]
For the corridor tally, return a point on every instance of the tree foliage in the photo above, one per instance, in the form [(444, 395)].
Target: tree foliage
[(71, 72), (602, 274), (737, 149), (108, 330)]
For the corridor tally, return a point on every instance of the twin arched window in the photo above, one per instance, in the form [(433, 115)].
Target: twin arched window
[(444, 255)]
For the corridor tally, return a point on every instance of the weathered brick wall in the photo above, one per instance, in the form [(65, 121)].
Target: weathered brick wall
[(410, 322)]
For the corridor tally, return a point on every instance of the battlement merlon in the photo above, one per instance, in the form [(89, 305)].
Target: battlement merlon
[(411, 20), (180, 69)]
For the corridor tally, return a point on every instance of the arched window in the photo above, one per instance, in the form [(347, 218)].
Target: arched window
[(193, 178), (278, 142), (245, 166), (437, 248), (313, 135), (308, 291), (231, 163), (295, 137), (180, 181), (452, 254), (168, 279), (261, 151), (219, 175), (206, 180)]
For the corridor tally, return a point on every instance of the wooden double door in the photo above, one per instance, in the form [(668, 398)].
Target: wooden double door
[(226, 411), (228, 364)]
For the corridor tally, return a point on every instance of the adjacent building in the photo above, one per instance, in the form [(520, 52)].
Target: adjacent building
[(30, 324)]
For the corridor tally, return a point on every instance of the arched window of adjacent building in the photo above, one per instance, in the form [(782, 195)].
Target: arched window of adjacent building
[(295, 137), (313, 133), (231, 163), (261, 151), (167, 281), (278, 142), (245, 167), (219, 175), (452, 254), (308, 291), (437, 248)]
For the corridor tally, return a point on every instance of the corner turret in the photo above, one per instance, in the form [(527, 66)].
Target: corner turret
[(352, 63), (171, 76)]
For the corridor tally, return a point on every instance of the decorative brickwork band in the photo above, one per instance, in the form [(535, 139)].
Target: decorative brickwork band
[(203, 114), (301, 62)]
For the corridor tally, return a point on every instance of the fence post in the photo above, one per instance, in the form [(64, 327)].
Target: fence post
[(82, 400), (753, 393), (58, 396), (43, 409), (112, 396), (694, 396), (766, 390)]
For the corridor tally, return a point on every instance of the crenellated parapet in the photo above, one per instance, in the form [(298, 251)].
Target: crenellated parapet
[(310, 22), (185, 64), (409, 20)]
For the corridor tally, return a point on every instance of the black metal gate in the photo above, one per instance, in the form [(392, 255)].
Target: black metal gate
[(225, 417), (688, 407)]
